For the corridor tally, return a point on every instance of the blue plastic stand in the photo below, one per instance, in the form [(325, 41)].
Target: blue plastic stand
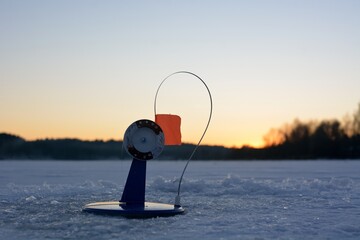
[(134, 191)]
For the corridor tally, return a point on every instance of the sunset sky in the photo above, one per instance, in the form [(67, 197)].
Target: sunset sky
[(88, 69)]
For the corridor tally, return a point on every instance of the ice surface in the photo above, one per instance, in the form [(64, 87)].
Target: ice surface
[(224, 200)]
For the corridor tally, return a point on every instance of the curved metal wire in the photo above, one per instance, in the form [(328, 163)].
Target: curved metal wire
[(177, 199)]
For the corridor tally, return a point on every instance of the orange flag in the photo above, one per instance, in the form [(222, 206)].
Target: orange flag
[(170, 124)]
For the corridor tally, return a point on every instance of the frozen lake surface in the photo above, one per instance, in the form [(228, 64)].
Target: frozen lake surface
[(224, 200)]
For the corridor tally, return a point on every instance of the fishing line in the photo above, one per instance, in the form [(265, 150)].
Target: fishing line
[(177, 198)]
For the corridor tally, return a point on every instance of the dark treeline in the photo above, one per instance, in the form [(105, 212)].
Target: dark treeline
[(327, 139), (303, 146), (324, 140), (15, 147)]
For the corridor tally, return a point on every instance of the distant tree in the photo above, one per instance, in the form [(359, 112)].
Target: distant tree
[(274, 137), (356, 121), (290, 133), (348, 125), (6, 138), (299, 133), (9, 145), (326, 139)]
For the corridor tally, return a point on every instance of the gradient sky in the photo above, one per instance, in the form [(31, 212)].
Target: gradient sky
[(88, 69)]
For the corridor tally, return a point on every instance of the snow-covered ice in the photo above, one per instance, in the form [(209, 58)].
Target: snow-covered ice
[(223, 199)]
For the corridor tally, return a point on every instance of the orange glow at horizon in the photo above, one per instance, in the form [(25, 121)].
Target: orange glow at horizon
[(31, 136), (90, 131)]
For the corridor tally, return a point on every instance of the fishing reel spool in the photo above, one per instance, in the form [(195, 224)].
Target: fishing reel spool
[(144, 140)]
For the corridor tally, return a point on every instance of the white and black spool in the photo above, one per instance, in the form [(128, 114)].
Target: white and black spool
[(144, 140)]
